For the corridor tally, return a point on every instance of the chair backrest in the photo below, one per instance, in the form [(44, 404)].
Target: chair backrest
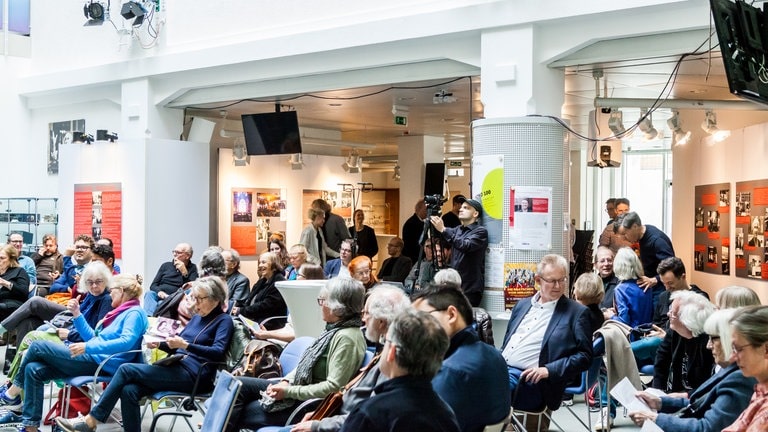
[(367, 357), (589, 376), (221, 402), (292, 353)]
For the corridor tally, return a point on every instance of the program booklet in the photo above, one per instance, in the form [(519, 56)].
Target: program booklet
[(162, 329)]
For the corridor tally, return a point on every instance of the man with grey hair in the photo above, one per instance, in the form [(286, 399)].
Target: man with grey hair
[(548, 341), (682, 360), (238, 284), (383, 305), (412, 354), (171, 276)]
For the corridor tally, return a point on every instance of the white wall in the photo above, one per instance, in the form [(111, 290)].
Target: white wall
[(742, 157), (274, 172)]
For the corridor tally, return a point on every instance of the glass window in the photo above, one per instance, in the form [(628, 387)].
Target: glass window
[(18, 16)]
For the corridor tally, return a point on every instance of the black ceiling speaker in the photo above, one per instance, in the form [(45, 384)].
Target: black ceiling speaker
[(132, 10)]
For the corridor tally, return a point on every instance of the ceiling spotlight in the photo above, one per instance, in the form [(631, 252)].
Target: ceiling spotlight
[(352, 164), (396, 174), (616, 124), (681, 136), (240, 155), (296, 161), (81, 137), (710, 126), (131, 10), (95, 12), (645, 124), (442, 97)]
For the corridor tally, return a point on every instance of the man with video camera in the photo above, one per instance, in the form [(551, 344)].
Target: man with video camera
[(468, 242)]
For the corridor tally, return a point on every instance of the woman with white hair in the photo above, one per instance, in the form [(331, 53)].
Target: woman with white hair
[(714, 404), (326, 366), (632, 304), (682, 361)]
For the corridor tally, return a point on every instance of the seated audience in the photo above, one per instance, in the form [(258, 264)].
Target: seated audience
[(120, 331), (588, 291), (713, 405), (413, 352), (750, 345), (547, 343), (297, 256), (338, 266), (14, 281), (682, 363), (360, 269), (604, 268), (447, 276), (384, 303), (238, 285), (473, 378), (75, 259), (48, 262), (325, 367), (204, 339), (396, 267), (277, 247), (735, 296), (309, 271), (634, 305), (171, 276), (264, 300), (428, 266)]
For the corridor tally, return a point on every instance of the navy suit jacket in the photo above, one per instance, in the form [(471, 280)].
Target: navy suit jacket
[(566, 350), (332, 268)]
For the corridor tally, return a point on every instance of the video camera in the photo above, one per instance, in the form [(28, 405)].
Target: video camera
[(434, 204)]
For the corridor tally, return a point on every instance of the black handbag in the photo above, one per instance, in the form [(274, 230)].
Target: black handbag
[(169, 306)]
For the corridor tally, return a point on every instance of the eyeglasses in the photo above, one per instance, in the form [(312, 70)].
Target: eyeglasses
[(175, 252), (82, 247), (560, 282), (345, 250), (93, 282), (114, 289), (605, 261), (17, 241), (198, 299), (738, 349), (389, 341), (363, 272), (320, 301), (714, 338)]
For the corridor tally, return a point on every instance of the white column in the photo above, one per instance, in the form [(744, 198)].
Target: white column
[(413, 152)]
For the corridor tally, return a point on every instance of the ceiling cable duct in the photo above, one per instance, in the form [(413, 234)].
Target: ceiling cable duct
[(679, 104)]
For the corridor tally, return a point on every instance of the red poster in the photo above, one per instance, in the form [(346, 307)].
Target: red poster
[(99, 213), (244, 239)]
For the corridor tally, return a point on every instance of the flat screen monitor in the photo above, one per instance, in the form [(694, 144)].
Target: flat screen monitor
[(742, 37), (272, 133)]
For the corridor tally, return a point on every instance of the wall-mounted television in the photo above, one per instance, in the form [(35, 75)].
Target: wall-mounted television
[(272, 133), (741, 31)]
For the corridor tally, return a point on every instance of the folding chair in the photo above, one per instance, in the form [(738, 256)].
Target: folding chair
[(222, 401), (588, 379)]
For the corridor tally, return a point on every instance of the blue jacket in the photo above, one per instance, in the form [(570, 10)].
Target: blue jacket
[(93, 308), (474, 382), (332, 268), (712, 406), (402, 404), (67, 278), (566, 350), (633, 305), (123, 334)]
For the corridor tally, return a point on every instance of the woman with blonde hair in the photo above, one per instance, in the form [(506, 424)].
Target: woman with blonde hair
[(297, 256), (313, 238), (120, 331)]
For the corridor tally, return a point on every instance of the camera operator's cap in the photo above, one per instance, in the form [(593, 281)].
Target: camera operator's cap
[(475, 204), (458, 199)]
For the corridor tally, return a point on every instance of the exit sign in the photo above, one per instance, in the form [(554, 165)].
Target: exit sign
[(401, 120), (454, 163)]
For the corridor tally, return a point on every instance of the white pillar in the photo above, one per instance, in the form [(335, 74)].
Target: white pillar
[(413, 153)]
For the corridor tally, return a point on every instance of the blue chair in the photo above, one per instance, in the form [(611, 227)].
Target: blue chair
[(292, 353), (588, 379), (222, 400)]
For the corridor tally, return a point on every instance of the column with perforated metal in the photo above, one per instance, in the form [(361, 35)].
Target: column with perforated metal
[(535, 154)]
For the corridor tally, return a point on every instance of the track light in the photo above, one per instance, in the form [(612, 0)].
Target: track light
[(681, 136), (710, 126), (82, 137), (296, 161), (352, 164), (396, 174), (96, 13), (645, 124), (240, 155), (131, 10), (616, 124)]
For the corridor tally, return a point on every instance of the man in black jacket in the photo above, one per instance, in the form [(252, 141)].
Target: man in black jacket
[(171, 276)]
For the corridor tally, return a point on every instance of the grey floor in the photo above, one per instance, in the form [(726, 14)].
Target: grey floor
[(562, 416)]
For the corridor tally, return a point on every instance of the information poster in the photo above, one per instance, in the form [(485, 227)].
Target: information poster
[(488, 175), (712, 240), (751, 254), (530, 221), (494, 267), (519, 283), (340, 202), (256, 215), (99, 213)]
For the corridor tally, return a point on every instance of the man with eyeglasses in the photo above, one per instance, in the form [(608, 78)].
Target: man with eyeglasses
[(604, 268), (548, 342), (338, 266), (17, 240), (171, 276), (396, 267), (75, 259)]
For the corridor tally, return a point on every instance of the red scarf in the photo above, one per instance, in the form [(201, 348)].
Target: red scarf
[(111, 315)]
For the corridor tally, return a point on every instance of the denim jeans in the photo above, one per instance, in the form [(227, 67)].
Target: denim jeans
[(131, 383), (529, 397), (43, 362), (150, 302)]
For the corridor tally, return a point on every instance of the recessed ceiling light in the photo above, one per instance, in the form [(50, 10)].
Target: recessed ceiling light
[(334, 104)]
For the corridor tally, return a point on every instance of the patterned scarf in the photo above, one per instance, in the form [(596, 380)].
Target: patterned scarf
[(319, 347)]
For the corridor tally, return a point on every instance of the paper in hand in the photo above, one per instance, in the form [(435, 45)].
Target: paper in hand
[(624, 392)]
